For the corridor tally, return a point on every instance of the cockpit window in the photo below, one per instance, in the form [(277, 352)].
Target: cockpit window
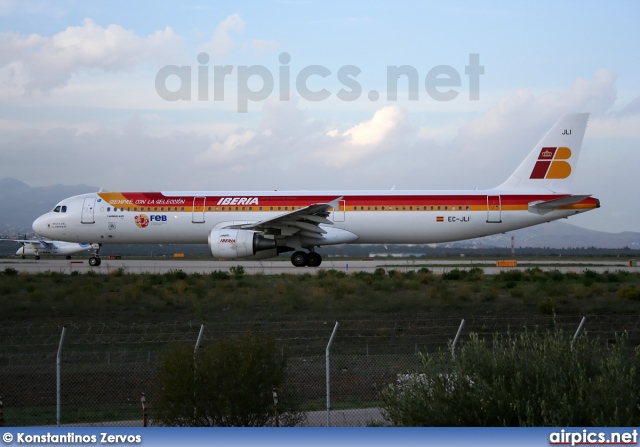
[(64, 208), (57, 209)]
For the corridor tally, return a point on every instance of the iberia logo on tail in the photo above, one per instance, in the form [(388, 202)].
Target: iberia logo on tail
[(552, 163)]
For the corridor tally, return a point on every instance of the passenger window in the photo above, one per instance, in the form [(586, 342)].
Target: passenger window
[(467, 207), (108, 209), (438, 207), (446, 208), (404, 208)]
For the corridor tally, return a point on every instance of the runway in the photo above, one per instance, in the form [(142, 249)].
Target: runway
[(277, 267)]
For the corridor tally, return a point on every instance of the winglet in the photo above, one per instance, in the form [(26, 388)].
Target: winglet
[(335, 204)]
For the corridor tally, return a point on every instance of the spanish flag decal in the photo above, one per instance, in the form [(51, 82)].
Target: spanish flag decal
[(440, 219)]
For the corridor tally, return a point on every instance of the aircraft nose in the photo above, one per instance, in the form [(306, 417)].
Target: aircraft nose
[(39, 225)]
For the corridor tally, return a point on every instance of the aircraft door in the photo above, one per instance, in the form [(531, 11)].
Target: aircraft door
[(88, 207), (338, 215), (494, 209), (198, 209)]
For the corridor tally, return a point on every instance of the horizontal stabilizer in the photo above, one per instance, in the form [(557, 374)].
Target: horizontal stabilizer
[(552, 205)]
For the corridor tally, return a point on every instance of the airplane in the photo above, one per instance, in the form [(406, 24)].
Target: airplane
[(263, 224), (37, 248)]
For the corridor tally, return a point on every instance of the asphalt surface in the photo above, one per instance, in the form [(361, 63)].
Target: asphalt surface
[(276, 267)]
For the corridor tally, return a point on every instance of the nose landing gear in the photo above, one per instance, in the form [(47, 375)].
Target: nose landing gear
[(94, 261)]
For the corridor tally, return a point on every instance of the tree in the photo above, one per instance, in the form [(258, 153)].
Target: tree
[(528, 379), (228, 383)]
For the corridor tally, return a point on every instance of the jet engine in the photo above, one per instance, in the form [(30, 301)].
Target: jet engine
[(232, 243)]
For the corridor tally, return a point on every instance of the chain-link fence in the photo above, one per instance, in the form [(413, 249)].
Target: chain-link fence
[(100, 372)]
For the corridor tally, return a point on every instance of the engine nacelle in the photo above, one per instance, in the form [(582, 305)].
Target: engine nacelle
[(231, 243)]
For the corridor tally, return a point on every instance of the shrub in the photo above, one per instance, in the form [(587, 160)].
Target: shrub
[(510, 276), (119, 272), (228, 383), (528, 379), (455, 274), (629, 292), (176, 274), (237, 270), (547, 307), (556, 275), (380, 272), (475, 274), (219, 274), (10, 271)]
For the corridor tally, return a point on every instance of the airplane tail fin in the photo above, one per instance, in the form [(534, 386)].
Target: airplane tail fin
[(551, 165)]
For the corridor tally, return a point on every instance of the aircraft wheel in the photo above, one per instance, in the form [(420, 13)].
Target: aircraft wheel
[(314, 259), (299, 259), (37, 258), (68, 257), (94, 262), (22, 256)]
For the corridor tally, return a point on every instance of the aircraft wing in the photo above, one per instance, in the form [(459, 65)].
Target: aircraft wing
[(34, 242), (552, 205), (305, 221)]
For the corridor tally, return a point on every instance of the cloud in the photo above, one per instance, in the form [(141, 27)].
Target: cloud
[(221, 44), (49, 62), (366, 138), (290, 149), (633, 108), (261, 46), (506, 131)]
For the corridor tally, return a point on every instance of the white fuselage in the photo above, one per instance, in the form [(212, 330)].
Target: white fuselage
[(375, 217)]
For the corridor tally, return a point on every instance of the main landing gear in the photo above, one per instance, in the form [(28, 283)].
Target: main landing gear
[(302, 259), (94, 261)]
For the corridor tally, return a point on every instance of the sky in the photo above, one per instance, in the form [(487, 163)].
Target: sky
[(331, 95)]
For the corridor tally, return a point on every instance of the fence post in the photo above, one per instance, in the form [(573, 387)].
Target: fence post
[(579, 331), (199, 338), (455, 340), (328, 374), (275, 406), (144, 410), (64, 329)]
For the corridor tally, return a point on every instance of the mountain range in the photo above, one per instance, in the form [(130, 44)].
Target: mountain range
[(21, 204)]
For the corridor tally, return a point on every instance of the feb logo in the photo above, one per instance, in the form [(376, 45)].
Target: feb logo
[(142, 220), (552, 164)]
